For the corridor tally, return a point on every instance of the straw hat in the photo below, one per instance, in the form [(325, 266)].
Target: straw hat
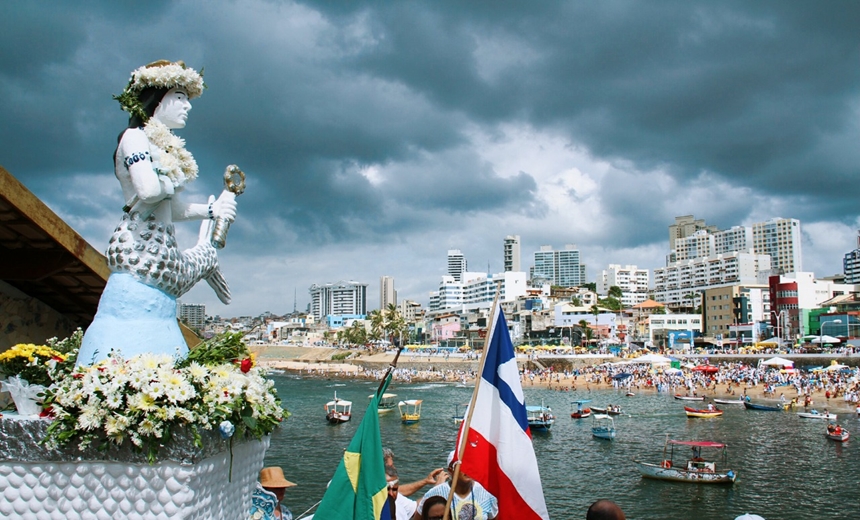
[(274, 478)]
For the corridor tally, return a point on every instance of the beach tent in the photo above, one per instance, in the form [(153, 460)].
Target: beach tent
[(652, 358), (824, 339), (835, 366), (778, 362), (710, 369), (672, 370), (771, 341)]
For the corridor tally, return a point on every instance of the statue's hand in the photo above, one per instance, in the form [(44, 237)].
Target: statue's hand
[(166, 185), (225, 206)]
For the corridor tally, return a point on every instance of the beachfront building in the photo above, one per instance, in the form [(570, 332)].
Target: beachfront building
[(679, 284), (632, 281), (851, 264), (387, 293), (779, 238), (562, 268), (445, 328), (476, 291), (569, 315), (732, 314), (674, 331), (457, 264), (794, 295), (512, 253), (344, 298)]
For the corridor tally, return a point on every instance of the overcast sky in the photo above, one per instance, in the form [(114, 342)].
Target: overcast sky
[(378, 135)]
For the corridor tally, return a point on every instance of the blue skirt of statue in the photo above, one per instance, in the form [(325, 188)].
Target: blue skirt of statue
[(137, 310)]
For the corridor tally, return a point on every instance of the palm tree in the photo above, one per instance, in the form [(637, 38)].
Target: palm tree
[(615, 292), (377, 325), (586, 330)]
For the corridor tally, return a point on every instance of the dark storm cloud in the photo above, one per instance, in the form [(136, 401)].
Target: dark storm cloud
[(361, 123)]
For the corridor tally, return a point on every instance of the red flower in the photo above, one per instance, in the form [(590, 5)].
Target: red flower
[(58, 359), (246, 365), (48, 411)]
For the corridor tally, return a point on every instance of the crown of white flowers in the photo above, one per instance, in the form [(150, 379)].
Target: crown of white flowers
[(160, 74)]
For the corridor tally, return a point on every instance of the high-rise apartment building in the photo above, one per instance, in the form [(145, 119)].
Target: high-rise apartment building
[(779, 238), (685, 226), (632, 281), (562, 268), (709, 243), (387, 293), (851, 264), (193, 314), (512, 253), (457, 264), (338, 299), (674, 283)]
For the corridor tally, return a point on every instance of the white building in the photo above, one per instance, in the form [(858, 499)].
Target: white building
[(338, 299), (512, 253), (851, 264), (674, 282), (562, 268), (477, 290), (661, 327), (193, 314), (457, 264), (779, 238), (634, 283), (387, 293)]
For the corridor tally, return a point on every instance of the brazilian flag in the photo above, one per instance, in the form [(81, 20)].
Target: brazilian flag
[(358, 490)]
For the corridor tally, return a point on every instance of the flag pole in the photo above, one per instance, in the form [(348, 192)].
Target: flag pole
[(467, 421), (391, 367)]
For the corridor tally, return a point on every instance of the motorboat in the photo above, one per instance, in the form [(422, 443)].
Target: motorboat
[(836, 433), (387, 402), (338, 410), (729, 401), (580, 412), (689, 397), (410, 411), (815, 414), (603, 426), (540, 417), (609, 410), (695, 469), (704, 413), (762, 407)]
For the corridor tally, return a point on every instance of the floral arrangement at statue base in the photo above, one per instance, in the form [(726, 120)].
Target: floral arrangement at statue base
[(142, 401), (28, 370), (24, 395)]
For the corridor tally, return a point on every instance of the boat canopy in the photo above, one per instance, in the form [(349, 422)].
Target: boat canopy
[(700, 444), (601, 416), (384, 396), (410, 402), (339, 402), (581, 401), (534, 408)]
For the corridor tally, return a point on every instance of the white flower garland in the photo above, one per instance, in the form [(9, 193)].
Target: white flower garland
[(175, 162), (167, 75)]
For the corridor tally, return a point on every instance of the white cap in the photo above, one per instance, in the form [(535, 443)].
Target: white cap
[(451, 459), (749, 517)]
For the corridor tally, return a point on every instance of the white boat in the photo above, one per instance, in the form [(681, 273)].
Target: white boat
[(540, 418), (694, 469), (410, 411), (603, 426), (730, 401), (815, 414), (387, 402), (689, 397), (836, 433), (338, 410)]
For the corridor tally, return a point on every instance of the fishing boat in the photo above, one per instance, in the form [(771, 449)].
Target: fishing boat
[(410, 411), (704, 413), (580, 412), (609, 410), (815, 414), (387, 403), (695, 469), (338, 410), (762, 407), (836, 433), (729, 401), (603, 426), (540, 418), (460, 413), (689, 397)]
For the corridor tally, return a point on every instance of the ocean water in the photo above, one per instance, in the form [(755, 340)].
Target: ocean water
[(787, 468)]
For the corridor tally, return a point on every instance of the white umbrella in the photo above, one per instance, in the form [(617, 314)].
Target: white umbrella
[(771, 341), (834, 367), (778, 362), (652, 358), (824, 339)]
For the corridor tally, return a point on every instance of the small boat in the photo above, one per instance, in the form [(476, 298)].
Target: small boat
[(460, 412), (410, 411), (729, 401), (762, 407), (689, 397), (629, 394), (704, 413), (387, 403), (580, 412), (540, 418), (836, 433), (696, 469), (338, 410), (603, 426), (815, 414), (609, 410)]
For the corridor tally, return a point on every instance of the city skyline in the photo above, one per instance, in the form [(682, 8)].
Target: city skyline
[(375, 137)]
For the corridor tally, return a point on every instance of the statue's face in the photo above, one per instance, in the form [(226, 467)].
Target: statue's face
[(173, 109)]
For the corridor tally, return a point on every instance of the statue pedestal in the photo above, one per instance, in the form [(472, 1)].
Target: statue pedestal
[(185, 482)]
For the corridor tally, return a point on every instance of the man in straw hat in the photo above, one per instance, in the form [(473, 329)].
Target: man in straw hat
[(266, 501)]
